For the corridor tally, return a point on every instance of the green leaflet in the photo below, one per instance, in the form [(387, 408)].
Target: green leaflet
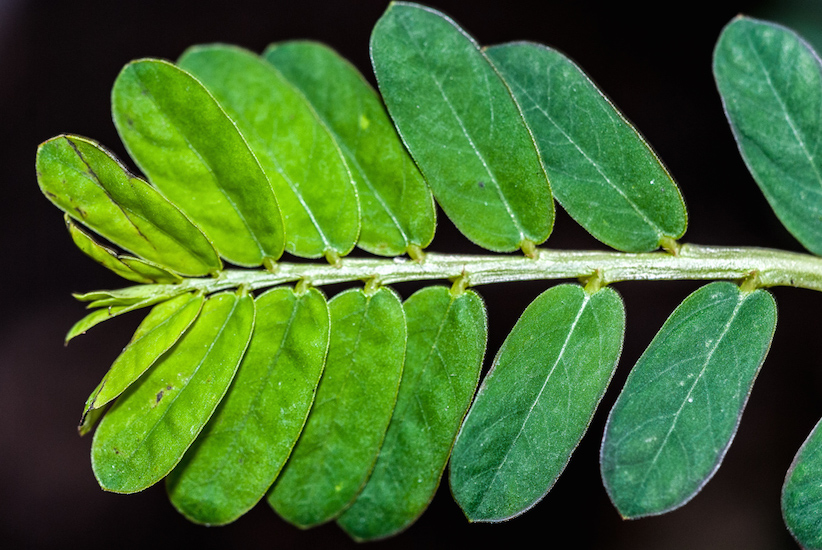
[(189, 148), (356, 397), (770, 81), (446, 345), (101, 254), (680, 407), (463, 128), (90, 185), (537, 401), (602, 172), (145, 433), (300, 158), (128, 267), (242, 449), (160, 330), (802, 493), (111, 308), (147, 293), (397, 206)]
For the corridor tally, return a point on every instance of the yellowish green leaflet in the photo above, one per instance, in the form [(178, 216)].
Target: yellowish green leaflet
[(84, 180), (108, 309), (536, 402), (446, 345), (298, 154), (104, 256), (158, 332), (242, 449), (147, 430), (461, 125), (397, 205), (192, 152), (355, 399), (679, 410)]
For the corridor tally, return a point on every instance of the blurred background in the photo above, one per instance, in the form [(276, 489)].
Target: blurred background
[(58, 61)]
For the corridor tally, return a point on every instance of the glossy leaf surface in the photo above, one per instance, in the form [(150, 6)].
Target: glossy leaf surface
[(145, 433), (90, 185), (679, 410), (189, 148), (242, 449), (300, 158), (537, 401), (397, 206), (355, 399), (463, 128), (802, 493), (160, 330), (770, 81), (602, 172), (446, 345)]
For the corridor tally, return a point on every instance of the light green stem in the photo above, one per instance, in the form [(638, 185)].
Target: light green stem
[(693, 262)]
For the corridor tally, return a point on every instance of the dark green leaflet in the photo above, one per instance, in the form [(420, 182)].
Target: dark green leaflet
[(314, 188), (537, 401), (463, 128), (160, 330), (802, 493), (601, 170), (680, 407), (446, 345), (770, 82), (189, 148), (145, 433), (356, 397), (397, 206), (242, 449), (90, 185)]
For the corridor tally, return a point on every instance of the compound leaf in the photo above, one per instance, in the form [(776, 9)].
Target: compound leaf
[(295, 149), (536, 402), (602, 172), (770, 81), (397, 205), (145, 433), (802, 493), (355, 399), (446, 345), (463, 128), (189, 148), (678, 412), (84, 180), (160, 330), (247, 441)]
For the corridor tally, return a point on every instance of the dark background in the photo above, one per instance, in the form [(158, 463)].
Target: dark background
[(58, 61)]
